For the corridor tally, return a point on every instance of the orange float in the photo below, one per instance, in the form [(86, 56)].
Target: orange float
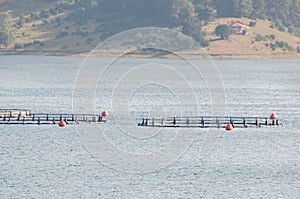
[(229, 127), (62, 123), (273, 116), (104, 114)]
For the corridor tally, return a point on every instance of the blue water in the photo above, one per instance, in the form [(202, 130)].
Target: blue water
[(53, 162)]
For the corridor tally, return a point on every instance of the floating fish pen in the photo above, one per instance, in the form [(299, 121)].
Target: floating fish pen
[(14, 112), (212, 122), (17, 116)]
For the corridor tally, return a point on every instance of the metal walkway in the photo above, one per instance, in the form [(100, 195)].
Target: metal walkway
[(211, 122), (17, 116)]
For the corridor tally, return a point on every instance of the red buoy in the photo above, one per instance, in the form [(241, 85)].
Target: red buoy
[(229, 127), (104, 114), (62, 123), (273, 116)]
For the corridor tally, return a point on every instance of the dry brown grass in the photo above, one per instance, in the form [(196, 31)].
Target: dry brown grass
[(24, 7), (245, 45)]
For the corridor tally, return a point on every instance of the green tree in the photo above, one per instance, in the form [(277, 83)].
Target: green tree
[(193, 29), (278, 10), (185, 16), (242, 8), (205, 10), (4, 39), (224, 8), (259, 9), (6, 33), (224, 31), (294, 14), (182, 11)]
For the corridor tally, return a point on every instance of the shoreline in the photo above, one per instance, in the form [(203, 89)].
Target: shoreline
[(190, 55)]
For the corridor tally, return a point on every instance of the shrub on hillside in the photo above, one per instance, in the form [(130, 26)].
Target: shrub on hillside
[(44, 14), (205, 43), (34, 16), (280, 26), (53, 11), (273, 46), (259, 37), (270, 37), (62, 34), (18, 46), (294, 31), (81, 33), (27, 44), (284, 45), (252, 23)]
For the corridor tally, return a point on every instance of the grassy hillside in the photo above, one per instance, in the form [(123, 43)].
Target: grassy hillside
[(256, 42), (56, 34), (25, 7)]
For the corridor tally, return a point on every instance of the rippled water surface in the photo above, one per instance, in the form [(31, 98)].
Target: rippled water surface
[(53, 162)]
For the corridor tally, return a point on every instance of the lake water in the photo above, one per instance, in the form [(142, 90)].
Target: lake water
[(53, 162)]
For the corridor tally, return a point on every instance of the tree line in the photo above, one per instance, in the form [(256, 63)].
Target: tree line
[(187, 16), (168, 12)]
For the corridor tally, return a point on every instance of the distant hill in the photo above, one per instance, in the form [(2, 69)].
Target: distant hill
[(70, 27)]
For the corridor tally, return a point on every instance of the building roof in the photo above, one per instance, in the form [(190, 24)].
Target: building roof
[(237, 24)]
